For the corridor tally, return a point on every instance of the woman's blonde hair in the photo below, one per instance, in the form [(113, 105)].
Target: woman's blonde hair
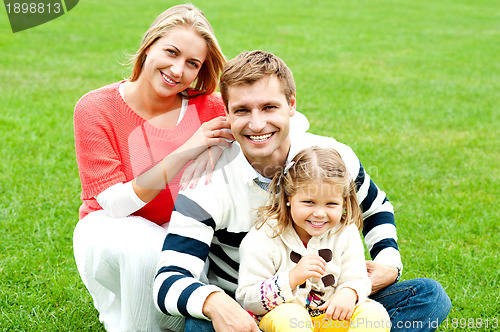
[(190, 17), (311, 164)]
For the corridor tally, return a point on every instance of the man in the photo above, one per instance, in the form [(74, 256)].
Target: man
[(209, 221)]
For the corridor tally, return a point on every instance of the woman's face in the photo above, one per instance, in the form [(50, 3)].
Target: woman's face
[(173, 61)]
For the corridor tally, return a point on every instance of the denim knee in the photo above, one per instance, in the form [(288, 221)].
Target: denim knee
[(415, 302), (435, 293)]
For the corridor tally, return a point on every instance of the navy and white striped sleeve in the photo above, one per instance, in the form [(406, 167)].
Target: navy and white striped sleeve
[(379, 227), (177, 287)]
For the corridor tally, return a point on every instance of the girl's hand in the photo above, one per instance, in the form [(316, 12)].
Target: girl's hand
[(204, 162), (307, 267), (209, 134), (341, 305)]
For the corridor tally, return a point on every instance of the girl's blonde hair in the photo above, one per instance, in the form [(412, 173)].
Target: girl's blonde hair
[(311, 164), (190, 17)]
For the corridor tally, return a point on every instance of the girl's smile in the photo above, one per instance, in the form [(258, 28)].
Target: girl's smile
[(316, 208)]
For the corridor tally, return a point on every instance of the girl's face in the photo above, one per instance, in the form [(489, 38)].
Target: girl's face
[(174, 61), (316, 208)]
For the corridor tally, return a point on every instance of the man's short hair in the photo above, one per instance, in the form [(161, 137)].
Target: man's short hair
[(249, 67)]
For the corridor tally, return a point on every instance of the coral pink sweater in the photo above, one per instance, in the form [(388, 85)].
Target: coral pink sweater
[(114, 144)]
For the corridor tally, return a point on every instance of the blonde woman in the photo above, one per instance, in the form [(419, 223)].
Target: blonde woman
[(133, 139)]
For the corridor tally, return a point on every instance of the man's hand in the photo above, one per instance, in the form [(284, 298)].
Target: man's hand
[(227, 315), (380, 275)]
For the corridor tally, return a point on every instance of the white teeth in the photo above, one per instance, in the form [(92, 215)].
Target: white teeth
[(316, 223), (260, 138), (168, 79)]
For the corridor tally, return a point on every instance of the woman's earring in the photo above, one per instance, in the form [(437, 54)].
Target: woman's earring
[(287, 203)]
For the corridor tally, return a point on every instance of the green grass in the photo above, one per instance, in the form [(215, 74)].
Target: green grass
[(412, 86)]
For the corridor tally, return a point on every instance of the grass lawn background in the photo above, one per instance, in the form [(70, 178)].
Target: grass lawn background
[(412, 86)]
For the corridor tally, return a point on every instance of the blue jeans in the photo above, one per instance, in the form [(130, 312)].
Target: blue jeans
[(198, 325), (415, 305)]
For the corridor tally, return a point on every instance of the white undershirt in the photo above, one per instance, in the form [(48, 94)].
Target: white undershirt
[(120, 200)]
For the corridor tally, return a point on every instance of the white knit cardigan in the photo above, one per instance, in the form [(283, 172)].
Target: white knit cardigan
[(265, 263)]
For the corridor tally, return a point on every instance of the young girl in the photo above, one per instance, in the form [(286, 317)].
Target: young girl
[(303, 267)]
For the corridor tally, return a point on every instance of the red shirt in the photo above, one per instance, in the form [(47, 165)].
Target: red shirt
[(114, 144)]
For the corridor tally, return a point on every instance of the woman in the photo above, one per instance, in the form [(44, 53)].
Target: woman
[(133, 140)]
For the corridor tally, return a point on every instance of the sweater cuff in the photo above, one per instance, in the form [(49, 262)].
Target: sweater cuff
[(390, 256), (197, 300), (283, 282), (360, 290)]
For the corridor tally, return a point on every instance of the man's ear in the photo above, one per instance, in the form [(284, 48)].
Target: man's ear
[(293, 104)]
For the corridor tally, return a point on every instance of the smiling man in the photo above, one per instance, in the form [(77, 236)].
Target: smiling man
[(260, 120), (210, 221)]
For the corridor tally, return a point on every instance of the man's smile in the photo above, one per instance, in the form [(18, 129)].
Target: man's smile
[(259, 138)]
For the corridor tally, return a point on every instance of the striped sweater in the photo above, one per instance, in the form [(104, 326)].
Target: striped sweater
[(210, 221)]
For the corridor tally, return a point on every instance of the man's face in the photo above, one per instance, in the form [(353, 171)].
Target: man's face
[(260, 120)]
